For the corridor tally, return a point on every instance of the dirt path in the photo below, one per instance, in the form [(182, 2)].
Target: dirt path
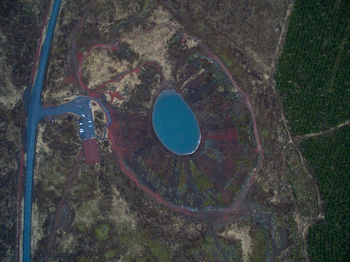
[(67, 187), (324, 132)]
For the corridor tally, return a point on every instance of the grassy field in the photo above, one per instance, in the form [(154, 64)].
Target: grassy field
[(313, 78), (313, 75)]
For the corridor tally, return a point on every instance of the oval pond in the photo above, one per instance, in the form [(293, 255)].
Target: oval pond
[(175, 124)]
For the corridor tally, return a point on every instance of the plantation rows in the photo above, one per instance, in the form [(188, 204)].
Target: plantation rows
[(313, 78), (328, 158), (313, 75)]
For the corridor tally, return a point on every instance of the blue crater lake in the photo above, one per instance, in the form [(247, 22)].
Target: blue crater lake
[(175, 124)]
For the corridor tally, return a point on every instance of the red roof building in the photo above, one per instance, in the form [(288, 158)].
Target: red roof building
[(90, 148)]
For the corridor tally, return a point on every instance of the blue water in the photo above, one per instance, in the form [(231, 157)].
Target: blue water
[(175, 124)]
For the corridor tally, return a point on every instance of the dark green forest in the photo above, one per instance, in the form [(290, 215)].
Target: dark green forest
[(313, 74), (329, 159), (313, 79)]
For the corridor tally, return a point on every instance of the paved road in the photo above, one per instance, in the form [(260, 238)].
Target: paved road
[(32, 122), (80, 106)]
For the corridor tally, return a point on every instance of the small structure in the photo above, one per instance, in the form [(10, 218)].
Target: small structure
[(87, 133), (90, 148)]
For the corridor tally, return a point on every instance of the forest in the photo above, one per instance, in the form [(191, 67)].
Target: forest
[(313, 79), (313, 75)]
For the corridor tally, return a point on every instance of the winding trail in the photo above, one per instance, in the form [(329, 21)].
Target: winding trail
[(60, 205)]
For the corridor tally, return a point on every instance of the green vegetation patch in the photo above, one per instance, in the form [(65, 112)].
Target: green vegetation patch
[(202, 181), (139, 241), (158, 251), (85, 259), (174, 43), (211, 249), (81, 226), (111, 254), (261, 244), (102, 232)]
